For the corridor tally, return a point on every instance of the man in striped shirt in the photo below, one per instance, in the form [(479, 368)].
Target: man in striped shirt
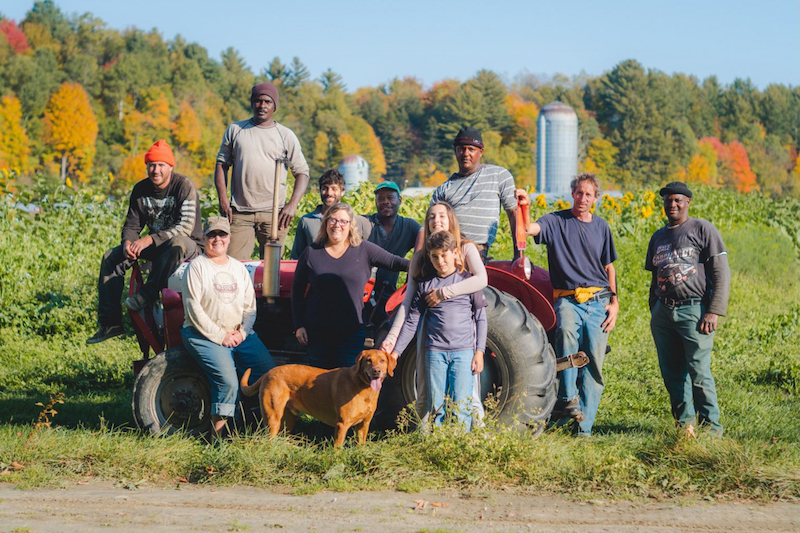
[(477, 192), (166, 203)]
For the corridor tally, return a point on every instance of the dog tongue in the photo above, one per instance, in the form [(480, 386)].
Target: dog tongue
[(376, 383)]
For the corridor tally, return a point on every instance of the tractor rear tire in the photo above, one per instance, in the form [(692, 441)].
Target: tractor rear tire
[(171, 394), (519, 370)]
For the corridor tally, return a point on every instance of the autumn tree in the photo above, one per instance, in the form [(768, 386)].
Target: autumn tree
[(702, 167), (15, 146), (186, 129), (600, 159), (15, 37), (70, 130)]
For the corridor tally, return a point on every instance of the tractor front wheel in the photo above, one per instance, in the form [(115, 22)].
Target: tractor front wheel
[(520, 366), (171, 393)]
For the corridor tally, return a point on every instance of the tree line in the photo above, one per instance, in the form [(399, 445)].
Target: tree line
[(83, 101)]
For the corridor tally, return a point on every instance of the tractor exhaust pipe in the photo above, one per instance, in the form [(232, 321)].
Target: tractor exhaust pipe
[(271, 284)]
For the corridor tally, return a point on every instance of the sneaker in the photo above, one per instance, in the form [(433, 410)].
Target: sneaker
[(135, 302), (105, 333)]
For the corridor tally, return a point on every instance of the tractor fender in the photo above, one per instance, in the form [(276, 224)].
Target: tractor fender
[(531, 297)]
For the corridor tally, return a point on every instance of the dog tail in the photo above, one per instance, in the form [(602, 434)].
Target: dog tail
[(249, 390)]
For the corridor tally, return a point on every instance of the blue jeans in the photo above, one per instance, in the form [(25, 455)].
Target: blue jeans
[(221, 365), (334, 350), (580, 328), (684, 355), (449, 374)]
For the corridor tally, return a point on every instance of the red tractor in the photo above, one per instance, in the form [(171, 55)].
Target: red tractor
[(171, 391)]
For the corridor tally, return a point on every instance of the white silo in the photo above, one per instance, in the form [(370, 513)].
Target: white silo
[(355, 169), (557, 149)]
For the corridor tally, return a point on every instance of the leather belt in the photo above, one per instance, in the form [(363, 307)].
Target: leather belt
[(669, 302)]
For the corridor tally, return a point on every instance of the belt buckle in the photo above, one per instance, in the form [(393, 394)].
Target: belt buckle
[(669, 302)]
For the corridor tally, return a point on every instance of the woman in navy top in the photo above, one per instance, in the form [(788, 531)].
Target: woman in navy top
[(328, 289)]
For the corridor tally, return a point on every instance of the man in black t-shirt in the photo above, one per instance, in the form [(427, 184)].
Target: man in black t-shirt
[(166, 203), (395, 234), (688, 292)]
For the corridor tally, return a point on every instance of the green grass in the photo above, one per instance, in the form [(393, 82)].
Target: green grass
[(48, 269)]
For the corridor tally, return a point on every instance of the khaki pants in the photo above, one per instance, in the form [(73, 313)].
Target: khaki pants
[(246, 228)]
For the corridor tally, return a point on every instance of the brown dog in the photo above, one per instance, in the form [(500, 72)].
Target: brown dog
[(342, 398)]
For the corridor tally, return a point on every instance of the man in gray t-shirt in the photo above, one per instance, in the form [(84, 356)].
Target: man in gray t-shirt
[(256, 149), (477, 192)]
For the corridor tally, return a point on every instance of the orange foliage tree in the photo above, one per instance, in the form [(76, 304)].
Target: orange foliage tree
[(70, 129), (15, 146), (733, 165)]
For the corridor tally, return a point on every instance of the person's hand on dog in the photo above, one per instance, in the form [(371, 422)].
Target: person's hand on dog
[(388, 345), (433, 298), (302, 336)]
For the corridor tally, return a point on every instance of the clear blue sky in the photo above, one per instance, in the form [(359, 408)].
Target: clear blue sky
[(370, 42)]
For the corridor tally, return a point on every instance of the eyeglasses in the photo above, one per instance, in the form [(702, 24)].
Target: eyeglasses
[(336, 222), (221, 234)]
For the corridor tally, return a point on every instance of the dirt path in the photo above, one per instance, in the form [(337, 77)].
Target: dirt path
[(103, 507)]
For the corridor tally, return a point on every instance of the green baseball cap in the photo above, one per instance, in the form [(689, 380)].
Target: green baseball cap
[(388, 185)]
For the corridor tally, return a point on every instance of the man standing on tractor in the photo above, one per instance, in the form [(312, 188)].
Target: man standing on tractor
[(166, 203), (688, 292), (580, 256), (331, 190), (477, 192), (395, 234), (257, 149)]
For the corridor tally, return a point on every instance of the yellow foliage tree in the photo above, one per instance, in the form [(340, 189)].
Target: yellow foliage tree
[(70, 130), (524, 115), (497, 153), (15, 146), (186, 130), (369, 146), (142, 128), (322, 150), (39, 37), (702, 168), (430, 176), (131, 171), (600, 155), (348, 145)]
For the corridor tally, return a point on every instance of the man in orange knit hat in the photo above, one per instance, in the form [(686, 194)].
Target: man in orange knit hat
[(166, 203)]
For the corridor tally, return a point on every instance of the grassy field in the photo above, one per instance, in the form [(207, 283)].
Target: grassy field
[(48, 272)]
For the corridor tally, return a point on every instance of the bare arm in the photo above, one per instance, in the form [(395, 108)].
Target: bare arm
[(477, 282), (221, 183), (401, 313), (289, 210), (613, 306), (533, 228), (512, 222)]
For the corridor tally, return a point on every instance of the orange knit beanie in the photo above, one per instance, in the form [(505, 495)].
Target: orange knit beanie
[(160, 151)]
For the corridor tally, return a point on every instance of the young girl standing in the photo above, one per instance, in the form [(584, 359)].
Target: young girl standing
[(456, 331)]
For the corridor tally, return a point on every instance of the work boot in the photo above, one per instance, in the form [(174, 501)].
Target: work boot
[(137, 302), (570, 409), (104, 333)]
